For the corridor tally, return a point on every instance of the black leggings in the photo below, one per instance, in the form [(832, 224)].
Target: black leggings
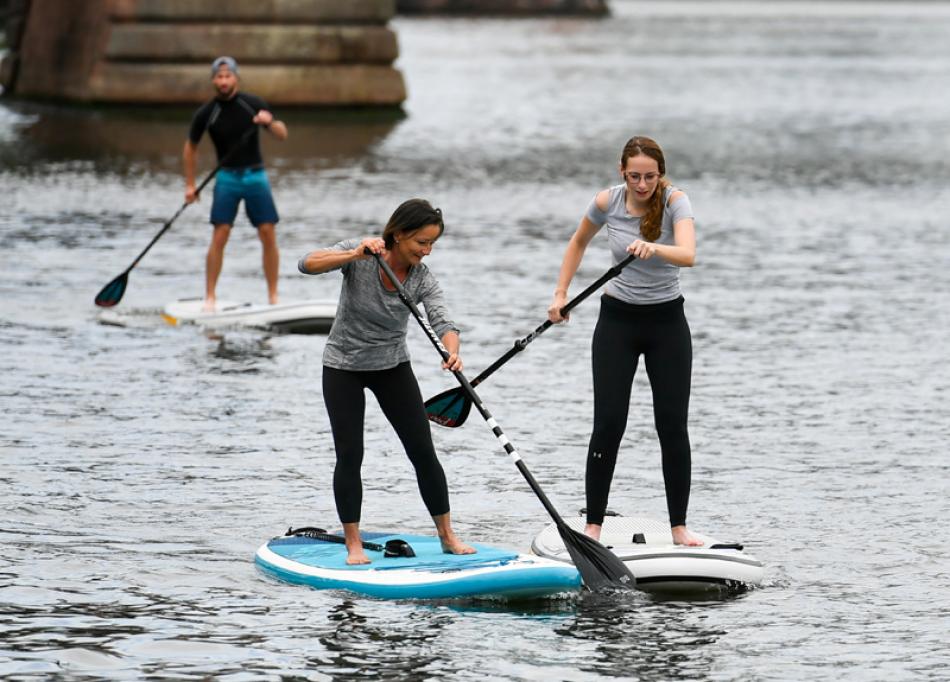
[(397, 392), (661, 334)]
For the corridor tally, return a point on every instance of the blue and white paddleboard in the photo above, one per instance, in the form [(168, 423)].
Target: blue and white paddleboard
[(491, 573), (296, 317)]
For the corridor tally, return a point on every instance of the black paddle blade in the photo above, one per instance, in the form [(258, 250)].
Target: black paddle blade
[(450, 408), (113, 291), (600, 568)]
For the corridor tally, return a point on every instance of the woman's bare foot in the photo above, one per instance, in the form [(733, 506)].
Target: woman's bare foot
[(592, 530), (209, 305), (354, 545), (681, 536), (356, 557), (452, 545), (450, 542)]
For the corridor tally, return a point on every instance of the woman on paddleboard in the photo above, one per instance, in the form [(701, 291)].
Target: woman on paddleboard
[(367, 348), (641, 313)]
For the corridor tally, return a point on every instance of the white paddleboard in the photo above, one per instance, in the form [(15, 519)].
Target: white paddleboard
[(297, 317), (646, 547)]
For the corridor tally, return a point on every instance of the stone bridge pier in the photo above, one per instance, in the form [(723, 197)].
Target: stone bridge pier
[(291, 52)]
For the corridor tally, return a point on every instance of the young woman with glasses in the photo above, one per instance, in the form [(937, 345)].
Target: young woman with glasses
[(366, 348), (641, 314)]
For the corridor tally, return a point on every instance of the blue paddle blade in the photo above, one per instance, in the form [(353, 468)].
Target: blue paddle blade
[(450, 408), (112, 292)]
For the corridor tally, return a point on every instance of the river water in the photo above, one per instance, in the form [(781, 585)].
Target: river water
[(142, 465)]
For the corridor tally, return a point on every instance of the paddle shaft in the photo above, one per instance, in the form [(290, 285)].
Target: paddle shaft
[(521, 343), (457, 395), (231, 152), (470, 391)]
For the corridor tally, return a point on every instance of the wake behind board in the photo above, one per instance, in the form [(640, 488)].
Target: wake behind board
[(296, 317), (491, 573), (646, 547)]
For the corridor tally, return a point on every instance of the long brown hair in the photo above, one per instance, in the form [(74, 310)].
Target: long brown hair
[(410, 216), (652, 220)]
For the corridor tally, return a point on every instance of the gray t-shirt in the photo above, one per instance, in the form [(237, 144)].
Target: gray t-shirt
[(369, 330), (643, 281)]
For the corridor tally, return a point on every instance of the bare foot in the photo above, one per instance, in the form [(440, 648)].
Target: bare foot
[(356, 557), (209, 305), (681, 536), (592, 530), (452, 545), (273, 300)]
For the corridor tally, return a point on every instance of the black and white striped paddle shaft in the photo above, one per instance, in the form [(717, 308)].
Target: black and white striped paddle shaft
[(599, 567)]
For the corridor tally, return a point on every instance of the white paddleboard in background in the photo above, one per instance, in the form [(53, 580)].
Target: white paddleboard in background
[(646, 547), (295, 317)]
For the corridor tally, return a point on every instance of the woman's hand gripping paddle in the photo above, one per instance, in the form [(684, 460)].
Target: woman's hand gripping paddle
[(451, 408), (112, 292), (599, 567)]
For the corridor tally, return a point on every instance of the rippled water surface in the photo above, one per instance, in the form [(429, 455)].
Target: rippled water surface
[(142, 465)]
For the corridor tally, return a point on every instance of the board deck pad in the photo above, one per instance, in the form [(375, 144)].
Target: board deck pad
[(491, 572)]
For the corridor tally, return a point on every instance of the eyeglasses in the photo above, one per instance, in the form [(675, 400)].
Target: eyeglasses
[(636, 177)]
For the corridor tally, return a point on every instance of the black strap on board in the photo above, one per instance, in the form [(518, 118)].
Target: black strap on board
[(392, 548)]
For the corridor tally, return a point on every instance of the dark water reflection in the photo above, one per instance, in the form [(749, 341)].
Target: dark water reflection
[(652, 643), (141, 465), (129, 140), (363, 650)]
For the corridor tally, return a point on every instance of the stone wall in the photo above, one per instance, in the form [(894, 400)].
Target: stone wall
[(291, 52), (503, 7)]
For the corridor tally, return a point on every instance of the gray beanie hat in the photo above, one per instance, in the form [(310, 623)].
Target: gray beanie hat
[(224, 61)]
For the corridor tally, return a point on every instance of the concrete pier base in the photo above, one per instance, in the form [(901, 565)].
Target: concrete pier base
[(291, 52)]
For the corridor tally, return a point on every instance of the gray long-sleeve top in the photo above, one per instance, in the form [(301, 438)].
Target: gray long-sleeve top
[(369, 330)]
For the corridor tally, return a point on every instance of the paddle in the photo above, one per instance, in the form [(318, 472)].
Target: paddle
[(598, 566), (112, 292), (450, 408)]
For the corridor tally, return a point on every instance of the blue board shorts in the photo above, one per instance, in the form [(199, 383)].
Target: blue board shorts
[(250, 184)]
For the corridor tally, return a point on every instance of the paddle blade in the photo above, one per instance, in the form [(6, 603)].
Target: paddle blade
[(113, 291), (450, 408), (600, 568)]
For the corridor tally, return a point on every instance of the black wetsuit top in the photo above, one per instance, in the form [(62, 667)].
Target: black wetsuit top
[(226, 121)]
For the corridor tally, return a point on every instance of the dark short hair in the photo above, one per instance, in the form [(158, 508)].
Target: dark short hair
[(410, 216)]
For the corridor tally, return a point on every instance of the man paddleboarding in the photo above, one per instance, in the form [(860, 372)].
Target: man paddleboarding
[(232, 120)]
